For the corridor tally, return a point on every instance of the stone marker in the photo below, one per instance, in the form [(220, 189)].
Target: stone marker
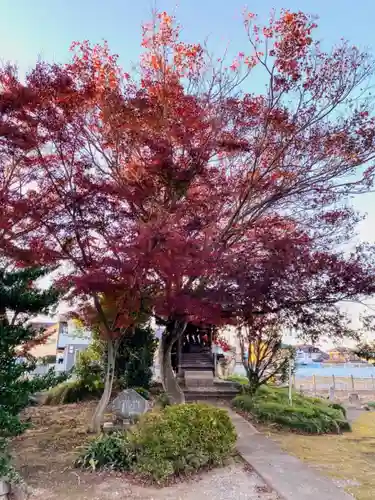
[(353, 397), (129, 404)]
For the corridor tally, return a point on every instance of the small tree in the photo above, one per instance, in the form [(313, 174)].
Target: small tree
[(264, 356), (19, 301), (135, 358), (133, 364), (112, 317), (366, 351)]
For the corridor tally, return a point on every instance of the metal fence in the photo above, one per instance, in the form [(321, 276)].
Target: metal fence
[(318, 383)]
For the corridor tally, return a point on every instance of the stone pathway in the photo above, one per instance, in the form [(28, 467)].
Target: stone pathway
[(285, 474), (352, 413)]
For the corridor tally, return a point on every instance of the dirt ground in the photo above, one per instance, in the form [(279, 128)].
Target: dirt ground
[(45, 453)]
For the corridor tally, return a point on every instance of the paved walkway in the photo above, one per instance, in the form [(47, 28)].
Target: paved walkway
[(352, 413), (285, 474)]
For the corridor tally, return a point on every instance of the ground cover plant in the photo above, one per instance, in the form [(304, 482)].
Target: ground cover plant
[(311, 415)]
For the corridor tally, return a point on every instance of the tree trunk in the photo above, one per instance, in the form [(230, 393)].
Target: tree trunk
[(168, 378), (254, 382), (108, 384)]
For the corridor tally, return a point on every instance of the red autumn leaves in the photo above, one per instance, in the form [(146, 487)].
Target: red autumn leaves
[(179, 192)]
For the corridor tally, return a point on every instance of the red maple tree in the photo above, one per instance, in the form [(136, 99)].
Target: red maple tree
[(182, 190)]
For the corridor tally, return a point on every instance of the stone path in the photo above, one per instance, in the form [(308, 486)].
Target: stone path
[(352, 413), (285, 474)]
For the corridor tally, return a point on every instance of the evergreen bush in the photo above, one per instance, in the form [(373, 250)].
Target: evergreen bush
[(20, 300), (179, 439), (310, 415)]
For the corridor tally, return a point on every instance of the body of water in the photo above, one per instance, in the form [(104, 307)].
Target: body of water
[(327, 370), (340, 370)]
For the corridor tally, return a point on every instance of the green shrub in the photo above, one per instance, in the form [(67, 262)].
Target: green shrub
[(143, 392), (135, 358), (50, 359), (337, 406), (156, 388), (109, 451), (88, 370), (162, 400), (182, 439), (310, 415), (50, 379), (371, 404), (87, 385), (72, 391), (240, 379)]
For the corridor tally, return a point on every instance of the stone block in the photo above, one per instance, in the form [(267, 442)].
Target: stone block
[(108, 427), (354, 397), (199, 379), (4, 489)]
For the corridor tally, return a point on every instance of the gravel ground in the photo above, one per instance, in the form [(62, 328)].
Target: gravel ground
[(232, 482)]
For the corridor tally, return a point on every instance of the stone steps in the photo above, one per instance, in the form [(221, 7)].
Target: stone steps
[(210, 394), (196, 362), (217, 390), (198, 378)]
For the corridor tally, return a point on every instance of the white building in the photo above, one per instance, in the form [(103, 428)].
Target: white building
[(307, 354), (71, 340)]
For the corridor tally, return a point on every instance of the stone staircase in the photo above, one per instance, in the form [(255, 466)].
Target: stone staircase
[(220, 390), (197, 360), (197, 378)]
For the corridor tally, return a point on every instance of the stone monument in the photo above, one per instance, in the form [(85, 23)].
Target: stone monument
[(129, 404)]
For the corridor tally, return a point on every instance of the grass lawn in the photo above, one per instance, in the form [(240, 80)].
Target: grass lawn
[(348, 457)]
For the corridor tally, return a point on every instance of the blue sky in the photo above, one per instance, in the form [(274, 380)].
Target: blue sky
[(46, 28), (40, 28)]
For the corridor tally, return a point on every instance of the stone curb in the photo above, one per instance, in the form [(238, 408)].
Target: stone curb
[(290, 478), (4, 489)]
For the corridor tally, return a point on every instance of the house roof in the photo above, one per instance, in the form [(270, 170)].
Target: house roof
[(41, 325), (309, 348), (49, 347), (343, 350)]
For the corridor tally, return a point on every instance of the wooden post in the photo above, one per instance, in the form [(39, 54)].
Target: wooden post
[(373, 382), (331, 394), (179, 355), (333, 382), (351, 376), (294, 381), (290, 383), (314, 385)]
